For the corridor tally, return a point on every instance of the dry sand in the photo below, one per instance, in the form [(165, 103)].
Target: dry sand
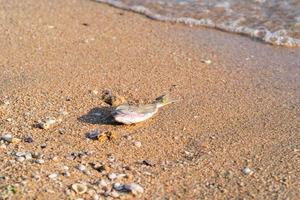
[(241, 111)]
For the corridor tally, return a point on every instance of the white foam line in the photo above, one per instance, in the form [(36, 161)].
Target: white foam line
[(275, 38)]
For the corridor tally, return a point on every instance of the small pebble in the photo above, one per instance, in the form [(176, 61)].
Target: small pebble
[(67, 174), (47, 123), (7, 138), (128, 137), (79, 188), (81, 168), (20, 159), (28, 139), (95, 92), (112, 176), (53, 176), (111, 158), (99, 167), (55, 158), (20, 154), (28, 156), (44, 145), (103, 183), (118, 186), (137, 144), (66, 171), (206, 61), (247, 171), (148, 163), (62, 131), (40, 161)]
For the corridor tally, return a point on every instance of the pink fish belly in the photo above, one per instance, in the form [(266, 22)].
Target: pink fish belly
[(132, 119)]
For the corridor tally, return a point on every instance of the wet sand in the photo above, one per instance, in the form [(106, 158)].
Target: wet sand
[(234, 134)]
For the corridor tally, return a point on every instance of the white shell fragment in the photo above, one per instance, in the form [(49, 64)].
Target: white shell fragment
[(79, 188)]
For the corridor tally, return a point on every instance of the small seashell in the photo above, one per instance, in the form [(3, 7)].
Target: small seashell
[(79, 188), (53, 176), (206, 61), (247, 171), (81, 168)]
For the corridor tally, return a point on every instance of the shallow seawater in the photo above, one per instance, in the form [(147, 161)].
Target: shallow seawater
[(273, 21)]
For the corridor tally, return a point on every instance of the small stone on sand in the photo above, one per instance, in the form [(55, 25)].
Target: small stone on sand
[(79, 188)]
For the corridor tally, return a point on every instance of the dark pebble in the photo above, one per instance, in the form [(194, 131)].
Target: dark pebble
[(28, 139)]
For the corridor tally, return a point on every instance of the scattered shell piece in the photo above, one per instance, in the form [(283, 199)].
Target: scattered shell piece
[(99, 167), (53, 176), (28, 156), (7, 138), (66, 171), (95, 92), (47, 123), (20, 154), (79, 188), (128, 137), (113, 100), (81, 168), (206, 61), (28, 139), (247, 171), (103, 183), (134, 188), (118, 186), (112, 176), (40, 161), (137, 144)]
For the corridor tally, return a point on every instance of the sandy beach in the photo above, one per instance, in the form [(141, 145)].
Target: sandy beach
[(233, 134)]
